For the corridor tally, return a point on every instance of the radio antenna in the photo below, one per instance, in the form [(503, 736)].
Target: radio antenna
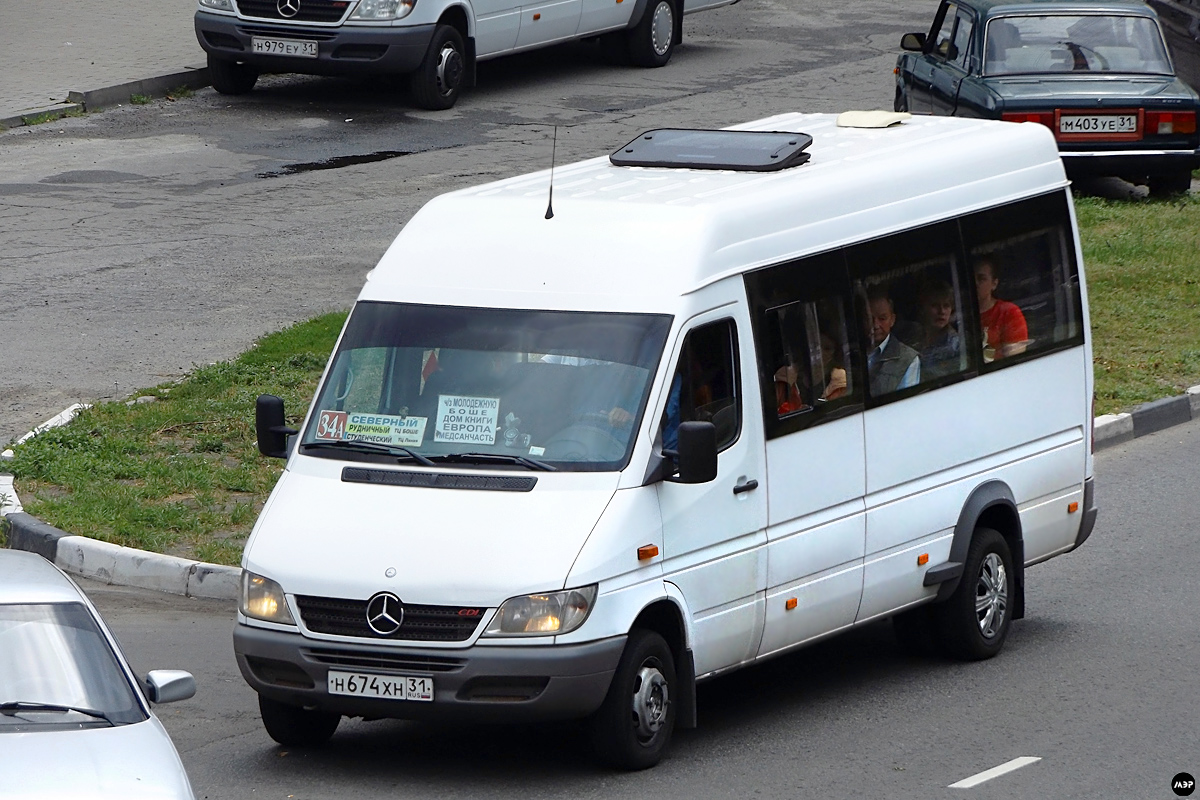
[(553, 153)]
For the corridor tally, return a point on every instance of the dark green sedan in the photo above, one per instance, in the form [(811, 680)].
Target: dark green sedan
[(1097, 74)]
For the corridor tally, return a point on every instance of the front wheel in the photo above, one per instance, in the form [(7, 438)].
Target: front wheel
[(633, 728), (974, 621), (652, 41), (901, 101), (1171, 184), (293, 726), (437, 82), (230, 77)]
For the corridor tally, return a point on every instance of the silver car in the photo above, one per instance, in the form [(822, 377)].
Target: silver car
[(74, 719)]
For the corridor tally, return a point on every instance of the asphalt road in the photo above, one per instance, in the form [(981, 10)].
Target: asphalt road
[(137, 242), (1099, 682)]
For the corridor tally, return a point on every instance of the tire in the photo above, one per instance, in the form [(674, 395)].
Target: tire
[(293, 726), (437, 82), (973, 623), (230, 77), (901, 101), (1170, 184), (633, 727), (652, 40)]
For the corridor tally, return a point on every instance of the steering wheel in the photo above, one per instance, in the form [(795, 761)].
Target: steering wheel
[(589, 438)]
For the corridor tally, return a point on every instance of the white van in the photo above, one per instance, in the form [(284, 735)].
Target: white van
[(436, 43), (567, 462)]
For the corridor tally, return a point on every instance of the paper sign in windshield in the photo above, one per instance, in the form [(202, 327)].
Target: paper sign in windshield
[(382, 428), (386, 429), (466, 419)]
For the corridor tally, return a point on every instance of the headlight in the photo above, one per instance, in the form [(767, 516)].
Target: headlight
[(262, 598), (383, 9), (220, 5), (543, 614)]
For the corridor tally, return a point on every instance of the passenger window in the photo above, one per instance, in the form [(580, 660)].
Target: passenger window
[(705, 386), (962, 40), (910, 304), (943, 36), (805, 342), (1026, 280)]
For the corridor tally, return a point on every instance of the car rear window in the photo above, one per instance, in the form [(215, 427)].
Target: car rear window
[(1058, 43)]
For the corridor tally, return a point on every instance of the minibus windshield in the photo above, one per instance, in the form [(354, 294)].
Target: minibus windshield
[(482, 388)]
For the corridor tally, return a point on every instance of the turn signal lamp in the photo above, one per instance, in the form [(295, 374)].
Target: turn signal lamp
[(790, 604), (647, 551), (1072, 508), (922, 559)]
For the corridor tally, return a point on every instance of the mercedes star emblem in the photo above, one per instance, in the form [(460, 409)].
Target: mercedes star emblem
[(288, 8), (384, 613), (390, 572)]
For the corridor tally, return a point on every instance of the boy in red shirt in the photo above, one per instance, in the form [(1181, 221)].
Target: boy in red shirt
[(1002, 323)]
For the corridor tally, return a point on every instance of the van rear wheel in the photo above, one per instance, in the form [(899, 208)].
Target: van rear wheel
[(973, 623), (293, 726), (652, 40), (633, 727)]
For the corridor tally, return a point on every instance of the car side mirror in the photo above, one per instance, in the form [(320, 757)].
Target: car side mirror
[(169, 685), (270, 428), (913, 41), (697, 454)]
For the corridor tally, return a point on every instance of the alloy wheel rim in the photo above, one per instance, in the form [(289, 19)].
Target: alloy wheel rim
[(991, 596)]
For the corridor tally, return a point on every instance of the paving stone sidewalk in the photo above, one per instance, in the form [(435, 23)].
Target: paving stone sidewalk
[(50, 49)]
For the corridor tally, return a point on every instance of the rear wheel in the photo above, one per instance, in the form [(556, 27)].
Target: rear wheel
[(437, 82), (973, 623), (634, 726), (230, 77), (652, 41), (294, 726), (1171, 184)]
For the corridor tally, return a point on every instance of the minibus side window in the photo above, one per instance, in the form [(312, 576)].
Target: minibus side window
[(913, 305), (705, 386), (1022, 262), (805, 342)]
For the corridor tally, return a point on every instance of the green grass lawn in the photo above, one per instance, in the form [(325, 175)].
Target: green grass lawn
[(182, 475)]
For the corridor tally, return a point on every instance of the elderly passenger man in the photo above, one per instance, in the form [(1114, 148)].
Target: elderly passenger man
[(891, 364)]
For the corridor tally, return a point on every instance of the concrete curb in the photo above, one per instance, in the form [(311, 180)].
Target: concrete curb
[(126, 566), (195, 77)]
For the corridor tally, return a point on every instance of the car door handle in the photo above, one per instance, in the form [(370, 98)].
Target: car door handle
[(748, 486)]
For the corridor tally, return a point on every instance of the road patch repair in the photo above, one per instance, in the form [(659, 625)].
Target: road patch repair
[(127, 566)]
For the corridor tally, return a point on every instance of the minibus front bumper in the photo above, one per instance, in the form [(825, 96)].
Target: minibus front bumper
[(481, 683)]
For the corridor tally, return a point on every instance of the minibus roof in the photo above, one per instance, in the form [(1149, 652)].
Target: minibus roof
[(641, 238)]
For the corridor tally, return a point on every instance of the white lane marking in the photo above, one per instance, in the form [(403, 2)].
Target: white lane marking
[(995, 772)]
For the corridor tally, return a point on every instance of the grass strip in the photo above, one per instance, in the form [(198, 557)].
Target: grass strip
[(182, 475)]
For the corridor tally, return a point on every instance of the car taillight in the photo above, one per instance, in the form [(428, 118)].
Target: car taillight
[(1041, 117), (1170, 122)]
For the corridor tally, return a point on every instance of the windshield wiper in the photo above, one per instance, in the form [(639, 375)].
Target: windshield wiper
[(373, 447), (14, 707), (502, 458)]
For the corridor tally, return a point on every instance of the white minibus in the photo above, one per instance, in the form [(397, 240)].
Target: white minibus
[(730, 393)]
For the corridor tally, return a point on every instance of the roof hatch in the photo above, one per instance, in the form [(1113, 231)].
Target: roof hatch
[(744, 151)]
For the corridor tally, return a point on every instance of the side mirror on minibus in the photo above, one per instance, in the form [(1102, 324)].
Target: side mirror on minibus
[(914, 42), (270, 427), (697, 454)]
